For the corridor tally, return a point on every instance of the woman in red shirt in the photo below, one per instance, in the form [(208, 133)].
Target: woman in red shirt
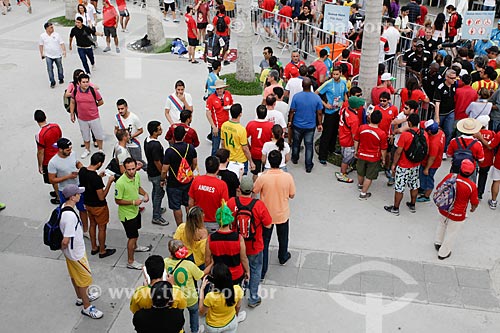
[(412, 91)]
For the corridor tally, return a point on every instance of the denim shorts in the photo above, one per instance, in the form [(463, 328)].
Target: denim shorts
[(178, 196), (427, 182)]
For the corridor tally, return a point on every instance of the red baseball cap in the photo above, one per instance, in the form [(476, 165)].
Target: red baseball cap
[(467, 167)]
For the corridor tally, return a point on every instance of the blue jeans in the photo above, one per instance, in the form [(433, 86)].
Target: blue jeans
[(255, 264), (447, 123), (215, 142), (494, 125), (50, 69), (194, 318), (85, 53), (282, 233), (156, 196), (308, 135)]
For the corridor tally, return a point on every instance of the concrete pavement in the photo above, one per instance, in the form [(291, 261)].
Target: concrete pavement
[(331, 230)]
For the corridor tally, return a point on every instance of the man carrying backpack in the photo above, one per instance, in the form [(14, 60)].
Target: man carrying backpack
[(454, 23), (250, 216), (73, 248), (412, 149), (451, 221), (221, 22)]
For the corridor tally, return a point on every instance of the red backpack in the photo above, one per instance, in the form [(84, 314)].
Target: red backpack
[(244, 221), (184, 173)]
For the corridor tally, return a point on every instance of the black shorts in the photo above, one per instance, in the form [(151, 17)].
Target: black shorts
[(258, 166), (124, 13), (171, 5), (45, 174), (110, 31), (192, 41), (202, 25), (132, 227), (178, 196)]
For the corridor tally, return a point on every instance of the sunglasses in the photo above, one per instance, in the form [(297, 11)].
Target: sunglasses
[(383, 100)]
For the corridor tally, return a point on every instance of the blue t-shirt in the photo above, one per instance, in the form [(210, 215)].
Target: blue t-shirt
[(335, 93), (212, 77), (305, 104)]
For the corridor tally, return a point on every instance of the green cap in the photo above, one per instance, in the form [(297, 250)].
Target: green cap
[(356, 102)]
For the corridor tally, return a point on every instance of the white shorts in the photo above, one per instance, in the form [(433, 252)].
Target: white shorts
[(237, 168), (495, 174), (91, 125)]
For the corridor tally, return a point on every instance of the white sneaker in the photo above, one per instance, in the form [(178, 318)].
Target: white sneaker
[(242, 315), (85, 154), (144, 248), (86, 235), (92, 297), (201, 329), (135, 265), (92, 312), (125, 30), (445, 156)]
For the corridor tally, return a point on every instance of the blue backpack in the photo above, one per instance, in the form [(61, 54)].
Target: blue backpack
[(178, 46), (445, 194), (52, 234)]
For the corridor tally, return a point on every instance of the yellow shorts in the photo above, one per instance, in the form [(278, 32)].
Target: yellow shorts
[(80, 271)]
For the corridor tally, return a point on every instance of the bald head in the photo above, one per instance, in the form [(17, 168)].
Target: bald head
[(306, 84)]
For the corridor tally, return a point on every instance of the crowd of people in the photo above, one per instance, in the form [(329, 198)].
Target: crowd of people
[(225, 217)]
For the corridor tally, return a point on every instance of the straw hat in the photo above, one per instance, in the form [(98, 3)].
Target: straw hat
[(219, 84), (469, 126)]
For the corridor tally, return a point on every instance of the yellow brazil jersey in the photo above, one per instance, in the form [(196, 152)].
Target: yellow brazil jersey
[(142, 299), (197, 248), (184, 276), (234, 137), (219, 315)]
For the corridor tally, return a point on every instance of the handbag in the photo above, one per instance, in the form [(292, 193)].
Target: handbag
[(114, 167)]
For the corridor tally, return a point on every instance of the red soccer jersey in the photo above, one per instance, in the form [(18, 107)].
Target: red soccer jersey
[(466, 191), (388, 115), (476, 149), (488, 153), (109, 16), (121, 4), (262, 218), (46, 139), (416, 95), (372, 141), (350, 67), (228, 22), (463, 97), (405, 141), (287, 73), (191, 26), (208, 193), (268, 5), (348, 126), (436, 149), (451, 24), (285, 12), (191, 136), (215, 105), (376, 91), (494, 143), (259, 133), (321, 69)]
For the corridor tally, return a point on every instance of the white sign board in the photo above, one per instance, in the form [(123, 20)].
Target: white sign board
[(477, 25), (336, 18)]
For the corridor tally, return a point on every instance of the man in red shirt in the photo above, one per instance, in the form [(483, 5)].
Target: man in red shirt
[(344, 59), (217, 111), (495, 174), (451, 26), (192, 34), (468, 127), (221, 23), (321, 73), (268, 16), (124, 14), (423, 13), (433, 160), (285, 18), (484, 167), (259, 131), (388, 111), (385, 85), (191, 136), (370, 144), (295, 62), (255, 246), (348, 127), (46, 140), (464, 95), (452, 221), (405, 171), (208, 192), (110, 23)]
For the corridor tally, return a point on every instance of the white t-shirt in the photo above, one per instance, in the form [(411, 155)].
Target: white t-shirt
[(71, 226), (121, 153), (282, 107), (86, 19), (401, 115), (51, 45), (269, 147), (175, 113), (132, 123), (402, 22), (392, 35), (91, 13), (276, 117), (293, 86)]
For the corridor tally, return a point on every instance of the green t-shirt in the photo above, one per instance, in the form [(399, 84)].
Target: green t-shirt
[(127, 189), (183, 277)]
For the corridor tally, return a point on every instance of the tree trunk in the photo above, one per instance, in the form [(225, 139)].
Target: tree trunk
[(368, 72), (242, 27), (154, 23), (70, 9)]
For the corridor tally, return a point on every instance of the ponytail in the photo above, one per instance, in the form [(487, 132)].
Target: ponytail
[(278, 136)]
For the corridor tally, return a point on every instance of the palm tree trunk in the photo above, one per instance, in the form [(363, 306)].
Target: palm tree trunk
[(70, 9), (155, 28), (368, 72), (242, 27)]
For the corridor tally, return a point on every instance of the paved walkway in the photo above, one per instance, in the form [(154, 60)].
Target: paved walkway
[(341, 247)]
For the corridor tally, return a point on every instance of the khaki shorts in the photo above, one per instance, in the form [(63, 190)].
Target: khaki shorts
[(98, 215), (80, 272)]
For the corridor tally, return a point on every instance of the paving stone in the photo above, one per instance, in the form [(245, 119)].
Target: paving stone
[(7, 239), (138, 256), (402, 289), (110, 261), (343, 261), (282, 276), (444, 294), (313, 279), (23, 226), (412, 268), (32, 246), (475, 278), (315, 260), (440, 274), (352, 285), (481, 299), (373, 284), (376, 266), (294, 260)]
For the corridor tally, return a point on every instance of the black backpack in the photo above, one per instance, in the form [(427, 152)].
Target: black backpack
[(418, 148), (52, 235), (67, 100), (463, 152), (458, 25), (221, 25), (244, 221)]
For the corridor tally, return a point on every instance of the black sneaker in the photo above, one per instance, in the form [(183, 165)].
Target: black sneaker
[(411, 207), (209, 137), (295, 161), (53, 194), (61, 81), (108, 253), (437, 246), (288, 256), (55, 201), (391, 209)]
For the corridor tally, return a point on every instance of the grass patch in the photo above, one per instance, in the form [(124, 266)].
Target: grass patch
[(242, 88), (62, 21), (165, 48)]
